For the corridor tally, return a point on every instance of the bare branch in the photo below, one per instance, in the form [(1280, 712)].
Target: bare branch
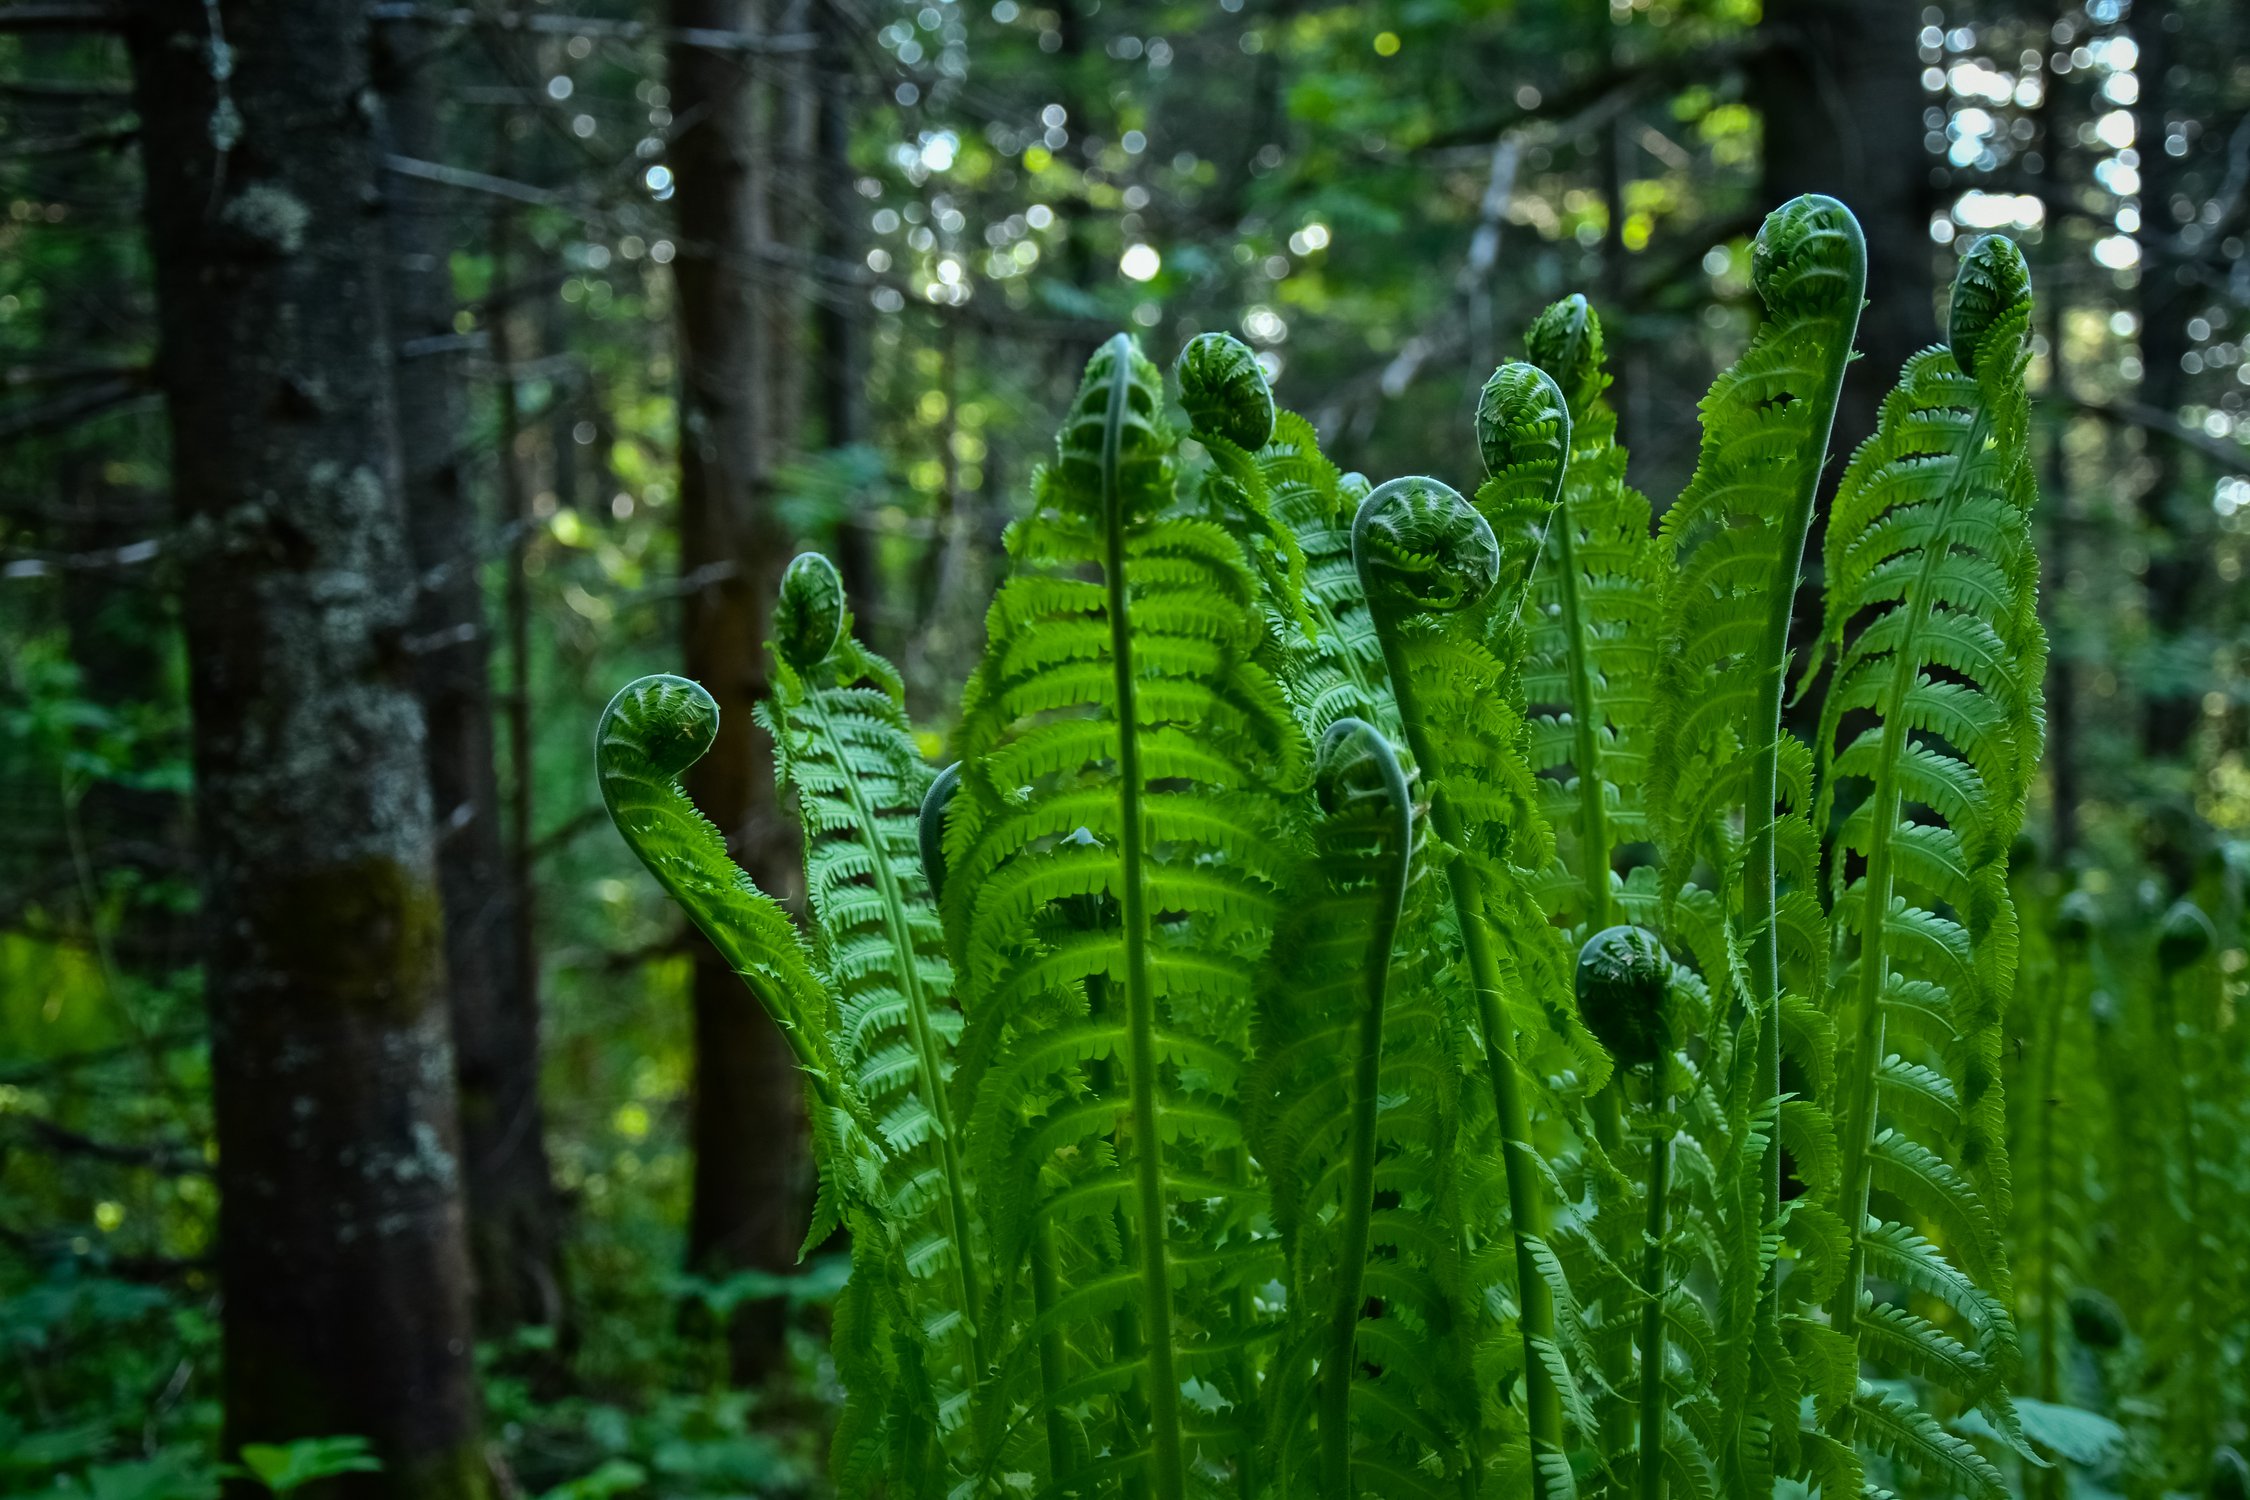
[(595, 26), (2234, 457), (62, 16)]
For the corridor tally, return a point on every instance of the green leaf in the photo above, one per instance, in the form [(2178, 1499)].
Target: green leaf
[(286, 1467)]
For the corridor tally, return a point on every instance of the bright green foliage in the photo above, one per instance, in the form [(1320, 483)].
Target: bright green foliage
[(1354, 1096), (1932, 622), (1722, 769), (1239, 1130), (846, 754), (1115, 857), (1594, 613)]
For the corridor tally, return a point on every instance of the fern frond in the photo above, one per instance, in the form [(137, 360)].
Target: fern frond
[(654, 729), (845, 757), (1721, 771), (1353, 1099), (1594, 617), (1429, 565), (1112, 857), (1931, 619)]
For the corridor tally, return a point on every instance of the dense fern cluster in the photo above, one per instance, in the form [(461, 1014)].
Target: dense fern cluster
[(1381, 1007)]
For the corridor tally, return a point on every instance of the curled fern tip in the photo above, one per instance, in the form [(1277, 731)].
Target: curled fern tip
[(1521, 418), (1224, 390), (2185, 937), (667, 721), (1348, 767), (1566, 342), (1809, 250), (1992, 283), (809, 618), (1624, 979), (1420, 547)]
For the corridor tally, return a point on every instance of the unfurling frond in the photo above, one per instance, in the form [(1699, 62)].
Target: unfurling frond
[(845, 755), (1114, 860), (1929, 736), (653, 730)]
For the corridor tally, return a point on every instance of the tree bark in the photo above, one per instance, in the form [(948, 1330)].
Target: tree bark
[(1842, 94), (1840, 90), (2167, 294), (747, 1123), (514, 1236), (341, 1257)]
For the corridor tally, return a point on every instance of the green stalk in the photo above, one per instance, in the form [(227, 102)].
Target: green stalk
[(1593, 805), (2050, 1324), (1527, 1209), (1168, 1473), (1060, 1461), (1359, 1197), (1652, 1287), (1758, 901)]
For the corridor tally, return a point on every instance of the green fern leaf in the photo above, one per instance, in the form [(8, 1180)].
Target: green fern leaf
[(1932, 727), (1113, 861)]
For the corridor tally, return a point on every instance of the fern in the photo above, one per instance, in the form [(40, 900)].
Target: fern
[(1354, 1097), (1138, 1052), (654, 729), (1594, 617), (845, 753), (1105, 975), (1429, 565), (1931, 617)]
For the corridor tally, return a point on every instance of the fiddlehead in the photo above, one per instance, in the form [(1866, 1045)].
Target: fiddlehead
[(1224, 390), (1931, 614), (1425, 555)]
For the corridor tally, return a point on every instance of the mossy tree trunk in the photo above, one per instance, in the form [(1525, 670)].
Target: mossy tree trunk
[(341, 1258), (752, 1173), (514, 1236)]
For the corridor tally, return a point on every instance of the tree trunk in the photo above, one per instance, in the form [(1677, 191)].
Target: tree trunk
[(1842, 92), (747, 1125), (341, 1257), (1840, 89), (514, 1238), (839, 318), (2168, 294)]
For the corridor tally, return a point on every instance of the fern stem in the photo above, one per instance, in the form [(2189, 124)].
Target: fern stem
[(1858, 1126), (1763, 794), (1593, 803), (1527, 1208), (2049, 1284), (1359, 1199), (1168, 1475), (1060, 1453), (925, 1044), (1653, 1408)]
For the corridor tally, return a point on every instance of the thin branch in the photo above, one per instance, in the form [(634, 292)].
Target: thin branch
[(479, 182), (2234, 457), (747, 42), (1607, 91), (62, 16), (107, 138), (45, 417), (172, 1161)]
